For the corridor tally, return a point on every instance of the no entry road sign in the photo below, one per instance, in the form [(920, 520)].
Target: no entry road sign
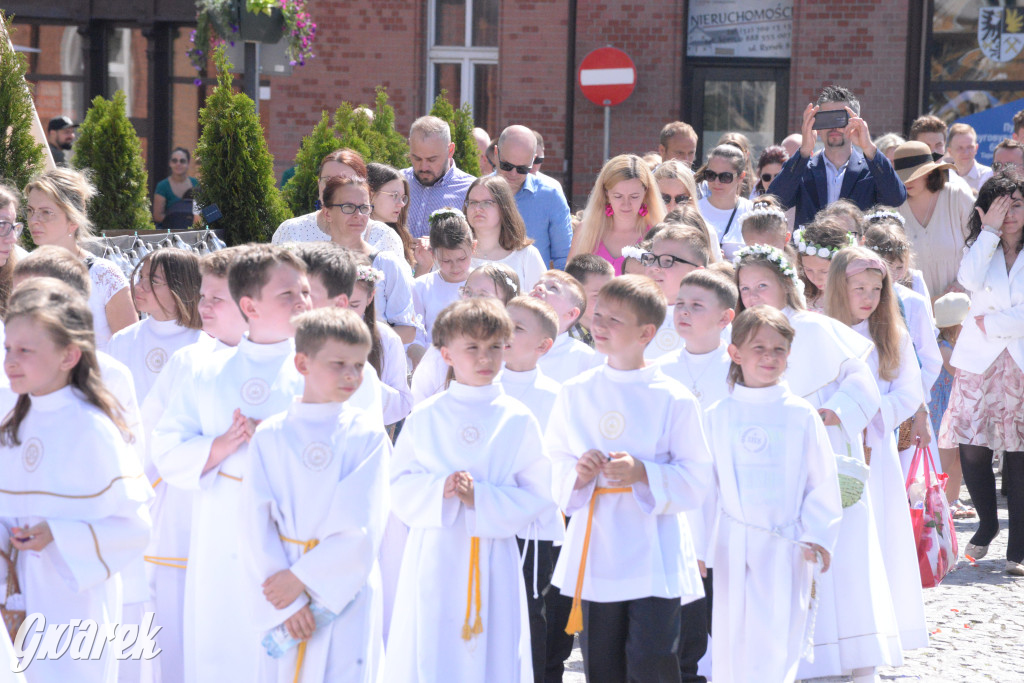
[(607, 76)]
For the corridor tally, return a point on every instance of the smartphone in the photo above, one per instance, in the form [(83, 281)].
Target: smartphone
[(837, 118)]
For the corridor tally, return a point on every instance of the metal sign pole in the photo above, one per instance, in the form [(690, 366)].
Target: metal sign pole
[(251, 80), (607, 130)]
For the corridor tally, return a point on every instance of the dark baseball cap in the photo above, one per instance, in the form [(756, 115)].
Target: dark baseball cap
[(60, 123)]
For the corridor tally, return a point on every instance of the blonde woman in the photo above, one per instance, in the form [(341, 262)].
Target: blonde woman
[(676, 185), (623, 205)]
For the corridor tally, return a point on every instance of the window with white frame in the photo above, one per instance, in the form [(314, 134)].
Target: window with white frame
[(463, 56)]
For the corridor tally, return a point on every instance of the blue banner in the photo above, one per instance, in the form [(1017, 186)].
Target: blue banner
[(993, 126)]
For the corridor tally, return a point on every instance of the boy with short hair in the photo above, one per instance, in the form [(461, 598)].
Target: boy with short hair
[(201, 444), (676, 251), (629, 455), (704, 307), (315, 501), (469, 472), (593, 272), (567, 357)]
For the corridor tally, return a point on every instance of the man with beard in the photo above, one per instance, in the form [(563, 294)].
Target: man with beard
[(60, 134), (434, 180), (849, 166)]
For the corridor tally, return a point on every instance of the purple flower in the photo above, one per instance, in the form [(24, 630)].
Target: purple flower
[(293, 62), (197, 81)]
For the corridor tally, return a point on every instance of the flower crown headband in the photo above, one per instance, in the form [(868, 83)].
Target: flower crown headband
[(812, 249), (632, 252), (763, 212), (770, 254), (885, 213), (369, 274), (446, 211)]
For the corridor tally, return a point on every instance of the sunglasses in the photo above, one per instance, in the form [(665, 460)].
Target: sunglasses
[(508, 168), (678, 199), (538, 160), (725, 177), (663, 261), (767, 178)]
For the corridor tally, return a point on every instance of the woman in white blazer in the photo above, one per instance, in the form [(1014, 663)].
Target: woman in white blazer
[(986, 405)]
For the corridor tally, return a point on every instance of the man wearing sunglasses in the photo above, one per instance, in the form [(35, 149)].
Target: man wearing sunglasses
[(434, 180), (849, 166), (542, 205)]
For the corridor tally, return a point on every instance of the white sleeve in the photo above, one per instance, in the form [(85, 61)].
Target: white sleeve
[(107, 278), (533, 268), (975, 263), (394, 294), (394, 382)]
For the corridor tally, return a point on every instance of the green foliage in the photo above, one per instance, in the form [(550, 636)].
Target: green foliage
[(460, 121), (237, 169), (350, 128), (108, 149), (301, 191), (21, 157), (388, 145)]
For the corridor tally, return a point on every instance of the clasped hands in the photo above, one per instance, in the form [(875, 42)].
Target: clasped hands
[(460, 485), (618, 467)]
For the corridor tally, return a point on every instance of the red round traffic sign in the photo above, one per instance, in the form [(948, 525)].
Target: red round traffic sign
[(607, 76)]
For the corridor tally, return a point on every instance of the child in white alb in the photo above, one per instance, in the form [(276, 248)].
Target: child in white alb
[(675, 251), (567, 357)]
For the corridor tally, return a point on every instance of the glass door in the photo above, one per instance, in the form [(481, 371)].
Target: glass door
[(750, 100)]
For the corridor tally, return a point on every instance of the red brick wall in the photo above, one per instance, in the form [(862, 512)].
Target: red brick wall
[(652, 34), (862, 46), (358, 45)]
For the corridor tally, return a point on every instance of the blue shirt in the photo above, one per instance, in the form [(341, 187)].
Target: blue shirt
[(450, 190), (834, 177), (546, 214)]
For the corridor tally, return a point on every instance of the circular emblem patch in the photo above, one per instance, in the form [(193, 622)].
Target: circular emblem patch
[(255, 391), (470, 435), (155, 360), (317, 456), (666, 340), (612, 425), (32, 454), (754, 439)]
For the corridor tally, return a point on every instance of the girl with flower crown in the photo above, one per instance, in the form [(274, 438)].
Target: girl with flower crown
[(860, 295), (500, 231), (815, 246), (623, 205), (855, 629)]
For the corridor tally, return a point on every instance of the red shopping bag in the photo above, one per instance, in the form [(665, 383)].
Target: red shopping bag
[(931, 518)]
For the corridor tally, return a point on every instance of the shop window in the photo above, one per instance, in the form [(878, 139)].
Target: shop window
[(463, 56)]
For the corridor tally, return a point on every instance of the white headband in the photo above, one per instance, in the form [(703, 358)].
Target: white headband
[(763, 212)]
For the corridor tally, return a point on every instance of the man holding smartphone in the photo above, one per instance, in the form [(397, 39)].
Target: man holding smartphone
[(848, 167)]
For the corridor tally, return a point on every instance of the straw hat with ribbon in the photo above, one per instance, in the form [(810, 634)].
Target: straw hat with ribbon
[(914, 160)]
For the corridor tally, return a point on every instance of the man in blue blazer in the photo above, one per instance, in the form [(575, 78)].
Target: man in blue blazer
[(810, 182)]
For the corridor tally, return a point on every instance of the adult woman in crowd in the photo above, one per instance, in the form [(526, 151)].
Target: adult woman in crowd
[(499, 230), (345, 213), (936, 214), (725, 202), (624, 204), (986, 404), (742, 143), (173, 190), (311, 227), (57, 205), (768, 166), (10, 231), (676, 185), (389, 194)]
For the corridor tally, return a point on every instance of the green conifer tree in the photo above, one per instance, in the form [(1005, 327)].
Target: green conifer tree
[(460, 122), (21, 157), (388, 145), (237, 168), (108, 149), (302, 190), (350, 128)]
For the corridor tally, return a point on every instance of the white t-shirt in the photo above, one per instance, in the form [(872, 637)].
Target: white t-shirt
[(728, 230), (527, 262)]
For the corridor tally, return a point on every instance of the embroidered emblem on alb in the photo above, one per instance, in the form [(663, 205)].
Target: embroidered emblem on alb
[(317, 456), (469, 435), (666, 340), (255, 391), (156, 359), (32, 454), (612, 425), (754, 439)]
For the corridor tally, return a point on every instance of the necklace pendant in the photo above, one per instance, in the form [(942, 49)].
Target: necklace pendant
[(697, 392)]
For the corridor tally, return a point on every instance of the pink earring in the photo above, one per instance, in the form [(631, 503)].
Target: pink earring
[(643, 210), (608, 210)]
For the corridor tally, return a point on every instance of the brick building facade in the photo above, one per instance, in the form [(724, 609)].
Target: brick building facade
[(517, 65)]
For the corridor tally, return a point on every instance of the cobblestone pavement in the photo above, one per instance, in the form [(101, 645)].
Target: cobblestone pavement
[(976, 619)]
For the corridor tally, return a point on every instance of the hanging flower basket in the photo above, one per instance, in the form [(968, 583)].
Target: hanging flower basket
[(245, 25)]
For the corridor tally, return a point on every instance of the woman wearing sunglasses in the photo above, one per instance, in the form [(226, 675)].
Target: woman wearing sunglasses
[(389, 194), (724, 205), (623, 205), (768, 166), (676, 185)]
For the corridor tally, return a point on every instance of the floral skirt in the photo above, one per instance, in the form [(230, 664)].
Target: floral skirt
[(986, 409)]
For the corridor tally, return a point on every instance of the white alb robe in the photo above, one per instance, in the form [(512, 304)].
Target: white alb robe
[(146, 346), (430, 376), (394, 375), (774, 470), (498, 441), (220, 639), (319, 472), (923, 333), (901, 397), (430, 294), (568, 358), (667, 340), (657, 420), (74, 470)]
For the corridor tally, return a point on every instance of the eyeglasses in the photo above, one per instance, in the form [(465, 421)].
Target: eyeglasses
[(179, 161), (663, 261), (7, 227), (401, 199), (348, 208), (725, 177), (148, 284), (538, 160), (483, 204), (39, 215), (767, 178), (467, 293), (678, 199), (507, 167)]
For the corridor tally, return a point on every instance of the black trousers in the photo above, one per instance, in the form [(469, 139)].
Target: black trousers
[(976, 463), (634, 640), (695, 625), (536, 607)]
